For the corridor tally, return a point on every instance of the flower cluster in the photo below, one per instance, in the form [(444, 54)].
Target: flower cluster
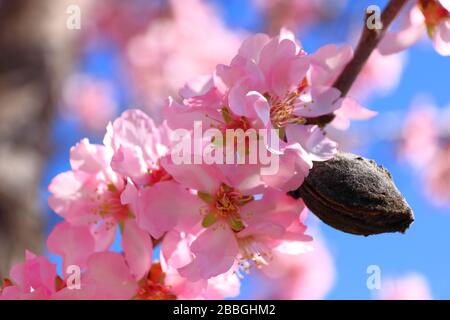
[(212, 221)]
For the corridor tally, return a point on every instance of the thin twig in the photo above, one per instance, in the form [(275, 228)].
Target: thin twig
[(369, 40)]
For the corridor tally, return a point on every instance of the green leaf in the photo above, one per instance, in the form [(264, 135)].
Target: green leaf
[(209, 220)]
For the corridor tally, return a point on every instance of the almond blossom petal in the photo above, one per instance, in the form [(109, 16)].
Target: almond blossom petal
[(135, 140), (90, 158), (445, 4), (252, 46), (441, 38), (157, 212), (313, 140), (200, 177), (110, 277), (294, 165), (324, 100), (36, 273), (413, 30), (328, 62), (138, 249), (350, 110), (259, 106), (73, 243), (214, 251)]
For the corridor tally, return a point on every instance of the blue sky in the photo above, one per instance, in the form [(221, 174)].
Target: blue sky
[(424, 248)]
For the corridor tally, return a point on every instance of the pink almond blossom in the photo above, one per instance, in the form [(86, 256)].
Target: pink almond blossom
[(176, 48), (33, 279), (272, 84), (297, 14), (425, 16), (411, 286), (90, 194), (90, 101), (307, 273), (228, 223), (175, 254)]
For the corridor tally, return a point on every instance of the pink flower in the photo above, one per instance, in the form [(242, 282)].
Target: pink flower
[(107, 277), (426, 129), (271, 84), (220, 209), (420, 133), (76, 245), (32, 280), (297, 14), (90, 194), (176, 48), (116, 20), (380, 75), (137, 145), (91, 101), (95, 195), (299, 275), (437, 176), (350, 110), (275, 81), (175, 254), (432, 17), (412, 286)]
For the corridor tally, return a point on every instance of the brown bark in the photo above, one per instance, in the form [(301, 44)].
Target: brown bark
[(34, 55)]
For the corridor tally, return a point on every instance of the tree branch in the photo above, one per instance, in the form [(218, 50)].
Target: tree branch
[(369, 40)]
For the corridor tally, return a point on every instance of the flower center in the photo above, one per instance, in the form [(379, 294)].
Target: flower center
[(152, 287), (158, 175), (224, 205), (282, 109), (109, 204)]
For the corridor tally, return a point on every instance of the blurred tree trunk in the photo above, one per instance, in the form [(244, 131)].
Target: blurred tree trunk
[(35, 53)]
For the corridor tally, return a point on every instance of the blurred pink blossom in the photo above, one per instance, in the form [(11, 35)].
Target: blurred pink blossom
[(380, 75), (90, 101), (175, 254), (412, 286), (300, 275), (430, 17), (34, 279), (297, 14), (437, 177), (118, 20), (420, 133), (426, 129), (190, 42)]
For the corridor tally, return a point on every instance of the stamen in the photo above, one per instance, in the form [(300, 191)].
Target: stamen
[(253, 254), (225, 205), (282, 109), (153, 288)]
